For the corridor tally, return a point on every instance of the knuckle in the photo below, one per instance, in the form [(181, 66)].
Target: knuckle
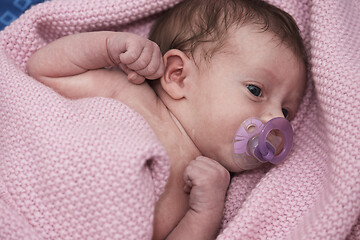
[(151, 69), (213, 176), (133, 56), (128, 57), (142, 63), (151, 43), (221, 175), (190, 168), (192, 165), (136, 40), (155, 46), (218, 174)]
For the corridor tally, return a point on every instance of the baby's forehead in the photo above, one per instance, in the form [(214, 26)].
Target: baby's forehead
[(247, 38), (251, 36)]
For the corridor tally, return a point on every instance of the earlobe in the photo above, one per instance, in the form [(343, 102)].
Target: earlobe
[(176, 70)]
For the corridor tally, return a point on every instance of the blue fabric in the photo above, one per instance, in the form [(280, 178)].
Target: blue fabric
[(12, 9)]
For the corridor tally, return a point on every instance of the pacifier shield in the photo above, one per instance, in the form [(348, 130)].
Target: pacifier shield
[(256, 142), (244, 137), (282, 126)]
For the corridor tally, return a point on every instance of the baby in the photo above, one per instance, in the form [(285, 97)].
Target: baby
[(219, 63)]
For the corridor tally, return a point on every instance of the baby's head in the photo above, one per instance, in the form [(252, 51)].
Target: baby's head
[(227, 61)]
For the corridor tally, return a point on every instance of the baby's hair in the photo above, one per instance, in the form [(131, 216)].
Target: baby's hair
[(194, 22)]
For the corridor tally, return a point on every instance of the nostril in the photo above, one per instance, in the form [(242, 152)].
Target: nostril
[(285, 112)]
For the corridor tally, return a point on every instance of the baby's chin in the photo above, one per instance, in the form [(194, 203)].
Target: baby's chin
[(228, 162), (236, 165), (225, 156)]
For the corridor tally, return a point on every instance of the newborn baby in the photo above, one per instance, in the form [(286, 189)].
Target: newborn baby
[(219, 63)]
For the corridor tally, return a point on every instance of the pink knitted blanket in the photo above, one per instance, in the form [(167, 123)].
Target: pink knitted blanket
[(93, 169)]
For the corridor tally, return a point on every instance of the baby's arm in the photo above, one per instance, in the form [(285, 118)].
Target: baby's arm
[(80, 59), (206, 181)]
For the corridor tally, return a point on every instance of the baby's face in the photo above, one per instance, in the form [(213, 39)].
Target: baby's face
[(252, 76)]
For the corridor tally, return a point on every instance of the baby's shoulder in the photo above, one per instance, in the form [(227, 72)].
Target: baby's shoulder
[(140, 97)]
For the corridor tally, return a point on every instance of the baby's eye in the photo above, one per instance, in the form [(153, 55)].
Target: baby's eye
[(256, 91), (285, 112)]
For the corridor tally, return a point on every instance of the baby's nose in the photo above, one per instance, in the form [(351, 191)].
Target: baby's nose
[(273, 113)]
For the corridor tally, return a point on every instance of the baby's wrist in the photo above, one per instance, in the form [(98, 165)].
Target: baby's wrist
[(207, 222), (213, 214)]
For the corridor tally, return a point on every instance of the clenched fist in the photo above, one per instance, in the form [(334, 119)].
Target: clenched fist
[(206, 181), (137, 56)]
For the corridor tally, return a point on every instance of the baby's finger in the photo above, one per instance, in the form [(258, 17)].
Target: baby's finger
[(160, 71), (188, 180), (132, 76), (125, 68), (187, 186), (155, 67), (192, 173), (143, 60), (135, 78), (132, 53), (159, 66)]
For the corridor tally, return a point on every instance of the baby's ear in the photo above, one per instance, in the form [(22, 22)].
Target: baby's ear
[(177, 66)]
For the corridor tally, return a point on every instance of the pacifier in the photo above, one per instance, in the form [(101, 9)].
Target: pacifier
[(256, 143)]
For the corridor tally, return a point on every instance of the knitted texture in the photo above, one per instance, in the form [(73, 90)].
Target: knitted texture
[(84, 169), (93, 169)]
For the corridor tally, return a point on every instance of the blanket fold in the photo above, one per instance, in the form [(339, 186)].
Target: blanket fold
[(93, 168), (90, 168)]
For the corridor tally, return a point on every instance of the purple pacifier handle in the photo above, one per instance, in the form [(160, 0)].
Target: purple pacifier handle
[(264, 151)]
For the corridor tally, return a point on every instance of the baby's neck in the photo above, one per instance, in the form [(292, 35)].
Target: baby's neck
[(180, 147), (170, 130)]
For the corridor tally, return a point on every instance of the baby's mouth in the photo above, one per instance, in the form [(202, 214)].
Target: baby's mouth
[(256, 143)]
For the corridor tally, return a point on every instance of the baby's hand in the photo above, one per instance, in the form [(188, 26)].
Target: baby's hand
[(206, 181), (137, 56)]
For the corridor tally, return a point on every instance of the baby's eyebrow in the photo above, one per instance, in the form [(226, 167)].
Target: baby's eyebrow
[(269, 74), (268, 71)]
